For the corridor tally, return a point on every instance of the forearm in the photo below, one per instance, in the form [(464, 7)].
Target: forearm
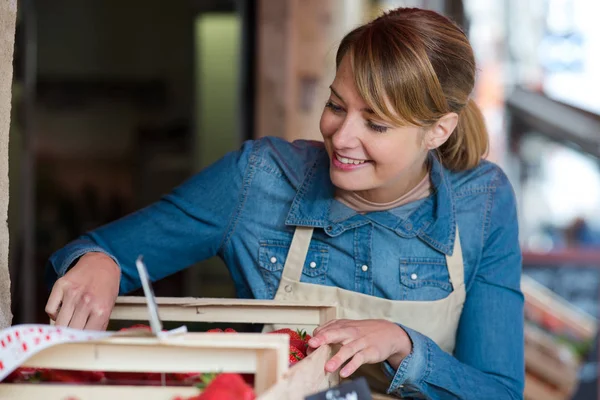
[(431, 373)]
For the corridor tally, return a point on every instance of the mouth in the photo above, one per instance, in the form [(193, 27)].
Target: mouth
[(349, 161), (342, 163)]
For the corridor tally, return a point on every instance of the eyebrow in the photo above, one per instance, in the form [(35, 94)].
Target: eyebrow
[(366, 109)]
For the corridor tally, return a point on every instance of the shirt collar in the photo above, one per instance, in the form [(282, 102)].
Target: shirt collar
[(433, 221)]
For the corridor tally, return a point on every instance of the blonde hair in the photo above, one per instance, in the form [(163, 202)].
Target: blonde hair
[(413, 66)]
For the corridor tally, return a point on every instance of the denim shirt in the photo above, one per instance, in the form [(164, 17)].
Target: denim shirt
[(244, 208)]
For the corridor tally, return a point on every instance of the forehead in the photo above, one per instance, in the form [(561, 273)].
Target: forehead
[(344, 81)]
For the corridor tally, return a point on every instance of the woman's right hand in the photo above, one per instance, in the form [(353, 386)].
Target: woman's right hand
[(84, 297)]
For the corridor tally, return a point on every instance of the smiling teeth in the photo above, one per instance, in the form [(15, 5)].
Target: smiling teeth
[(344, 160)]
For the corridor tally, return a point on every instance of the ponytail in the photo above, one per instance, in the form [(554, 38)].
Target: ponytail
[(468, 143)]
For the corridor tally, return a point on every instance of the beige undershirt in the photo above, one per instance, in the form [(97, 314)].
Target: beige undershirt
[(361, 205)]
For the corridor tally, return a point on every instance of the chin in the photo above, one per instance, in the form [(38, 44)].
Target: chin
[(349, 183)]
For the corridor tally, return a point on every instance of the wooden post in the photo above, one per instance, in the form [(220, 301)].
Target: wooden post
[(296, 43), (8, 15)]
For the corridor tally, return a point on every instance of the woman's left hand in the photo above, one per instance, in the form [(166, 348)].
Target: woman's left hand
[(365, 341)]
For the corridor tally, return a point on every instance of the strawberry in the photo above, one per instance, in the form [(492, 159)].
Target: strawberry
[(25, 374), (299, 339), (132, 377), (225, 387), (292, 334), (187, 377), (295, 355), (230, 330), (138, 326), (214, 330), (57, 375)]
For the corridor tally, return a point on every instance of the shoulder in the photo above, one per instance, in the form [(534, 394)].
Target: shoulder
[(289, 160), (487, 178)]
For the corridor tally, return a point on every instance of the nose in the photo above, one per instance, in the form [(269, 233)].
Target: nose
[(347, 134)]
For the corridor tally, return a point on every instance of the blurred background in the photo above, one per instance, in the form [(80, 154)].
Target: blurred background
[(116, 102)]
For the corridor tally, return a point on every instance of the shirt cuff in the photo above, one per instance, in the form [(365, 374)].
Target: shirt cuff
[(413, 369), (62, 260)]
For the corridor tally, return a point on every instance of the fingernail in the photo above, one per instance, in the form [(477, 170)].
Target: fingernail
[(343, 373), (313, 342), (330, 366)]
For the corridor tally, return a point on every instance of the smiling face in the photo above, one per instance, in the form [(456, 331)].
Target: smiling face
[(369, 156)]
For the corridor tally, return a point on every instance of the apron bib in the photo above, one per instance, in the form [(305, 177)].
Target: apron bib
[(436, 319)]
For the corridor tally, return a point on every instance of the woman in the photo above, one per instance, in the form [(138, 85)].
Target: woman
[(395, 216)]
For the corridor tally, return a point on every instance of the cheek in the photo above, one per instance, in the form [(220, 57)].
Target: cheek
[(394, 155)]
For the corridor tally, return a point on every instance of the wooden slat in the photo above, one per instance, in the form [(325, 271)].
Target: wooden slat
[(550, 369), (264, 355), (225, 310), (536, 390), (305, 378), (545, 299), (203, 352), (63, 392)]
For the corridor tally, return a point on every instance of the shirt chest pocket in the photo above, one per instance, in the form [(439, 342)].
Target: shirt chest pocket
[(424, 279), (273, 254)]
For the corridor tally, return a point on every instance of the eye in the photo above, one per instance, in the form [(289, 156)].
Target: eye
[(376, 128), (334, 107)]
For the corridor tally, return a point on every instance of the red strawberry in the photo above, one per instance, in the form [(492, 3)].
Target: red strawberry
[(299, 339), (230, 330), (138, 326), (132, 377), (299, 334), (300, 345), (227, 387), (57, 375), (25, 374), (214, 330), (187, 377), (292, 334), (295, 355)]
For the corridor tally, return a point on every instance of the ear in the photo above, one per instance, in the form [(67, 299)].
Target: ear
[(439, 132)]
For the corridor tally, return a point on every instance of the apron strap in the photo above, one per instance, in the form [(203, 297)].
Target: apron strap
[(455, 263), (294, 263)]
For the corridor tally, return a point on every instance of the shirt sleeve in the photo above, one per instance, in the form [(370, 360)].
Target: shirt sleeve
[(188, 225), (488, 362)]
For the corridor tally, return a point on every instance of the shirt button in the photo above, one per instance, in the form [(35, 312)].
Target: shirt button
[(408, 226), (313, 264), (273, 260), (414, 277), (365, 268), (288, 288)]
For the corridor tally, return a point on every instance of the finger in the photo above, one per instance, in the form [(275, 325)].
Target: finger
[(98, 320), (329, 336), (344, 354), (67, 309), (327, 325), (54, 301), (80, 318), (365, 356), (81, 314)]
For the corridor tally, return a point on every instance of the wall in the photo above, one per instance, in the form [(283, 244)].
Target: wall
[(8, 11), (217, 70), (217, 60)]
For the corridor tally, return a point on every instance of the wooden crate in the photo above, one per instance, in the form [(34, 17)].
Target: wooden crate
[(264, 355)]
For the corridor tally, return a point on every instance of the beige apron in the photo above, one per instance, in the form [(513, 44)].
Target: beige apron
[(436, 319)]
